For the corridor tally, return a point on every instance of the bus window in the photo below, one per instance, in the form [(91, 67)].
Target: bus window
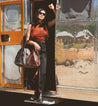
[(11, 18), (10, 72), (76, 51), (75, 9)]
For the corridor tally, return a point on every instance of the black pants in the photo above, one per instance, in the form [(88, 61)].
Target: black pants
[(43, 65), (42, 71)]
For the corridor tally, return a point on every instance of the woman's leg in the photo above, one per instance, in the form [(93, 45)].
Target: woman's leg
[(42, 76), (42, 72)]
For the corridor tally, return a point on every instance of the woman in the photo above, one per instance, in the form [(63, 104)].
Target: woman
[(37, 34)]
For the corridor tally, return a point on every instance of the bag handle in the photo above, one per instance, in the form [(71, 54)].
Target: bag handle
[(24, 45), (37, 52)]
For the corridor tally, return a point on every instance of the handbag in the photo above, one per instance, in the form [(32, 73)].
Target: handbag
[(27, 59)]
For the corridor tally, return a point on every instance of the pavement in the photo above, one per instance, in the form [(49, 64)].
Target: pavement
[(11, 99)]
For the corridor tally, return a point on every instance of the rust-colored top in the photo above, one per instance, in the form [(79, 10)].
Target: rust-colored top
[(39, 34)]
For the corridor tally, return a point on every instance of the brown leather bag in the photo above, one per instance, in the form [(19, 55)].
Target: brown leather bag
[(33, 60), (27, 59)]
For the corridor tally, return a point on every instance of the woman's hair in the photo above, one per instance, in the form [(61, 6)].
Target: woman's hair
[(36, 19)]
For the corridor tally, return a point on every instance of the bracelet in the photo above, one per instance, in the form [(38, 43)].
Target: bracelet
[(27, 41)]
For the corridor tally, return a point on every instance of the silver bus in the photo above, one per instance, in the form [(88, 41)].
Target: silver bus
[(72, 48)]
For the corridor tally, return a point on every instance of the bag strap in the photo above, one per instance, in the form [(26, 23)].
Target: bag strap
[(24, 45), (36, 73), (20, 70)]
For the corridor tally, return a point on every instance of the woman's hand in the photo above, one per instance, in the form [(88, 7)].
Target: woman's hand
[(58, 7), (52, 22), (34, 44), (51, 6)]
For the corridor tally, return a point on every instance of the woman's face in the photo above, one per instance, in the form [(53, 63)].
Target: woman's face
[(42, 15)]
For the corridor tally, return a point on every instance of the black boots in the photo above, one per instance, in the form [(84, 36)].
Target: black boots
[(34, 97), (37, 97), (40, 98)]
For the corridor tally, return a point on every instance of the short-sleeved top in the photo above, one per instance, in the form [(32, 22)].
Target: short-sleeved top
[(39, 34)]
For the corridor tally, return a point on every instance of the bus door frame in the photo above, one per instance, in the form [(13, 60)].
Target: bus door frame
[(16, 39)]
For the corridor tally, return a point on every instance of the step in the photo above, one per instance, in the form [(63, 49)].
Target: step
[(46, 101)]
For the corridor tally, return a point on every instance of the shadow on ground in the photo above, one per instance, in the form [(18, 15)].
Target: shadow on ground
[(16, 99)]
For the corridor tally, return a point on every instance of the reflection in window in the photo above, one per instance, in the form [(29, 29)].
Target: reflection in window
[(11, 18), (75, 9)]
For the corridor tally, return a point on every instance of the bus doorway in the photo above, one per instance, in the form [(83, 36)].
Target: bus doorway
[(11, 35), (36, 4)]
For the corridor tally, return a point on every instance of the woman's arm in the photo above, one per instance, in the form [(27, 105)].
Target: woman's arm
[(51, 23), (28, 33), (30, 41)]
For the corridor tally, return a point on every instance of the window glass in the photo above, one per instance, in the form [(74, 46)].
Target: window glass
[(11, 74), (76, 10), (76, 48), (11, 18)]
